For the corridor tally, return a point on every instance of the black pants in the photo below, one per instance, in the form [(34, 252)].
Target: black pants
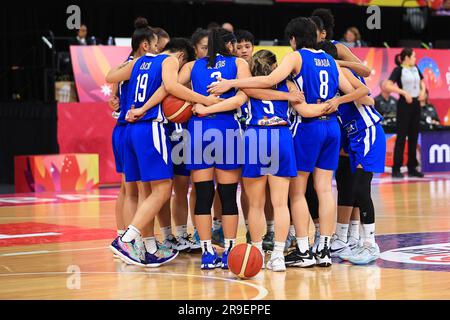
[(408, 119)]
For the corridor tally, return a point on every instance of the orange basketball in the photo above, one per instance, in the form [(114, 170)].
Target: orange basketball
[(245, 260), (176, 110)]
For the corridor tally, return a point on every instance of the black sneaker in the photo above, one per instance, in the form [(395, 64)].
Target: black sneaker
[(415, 173), (397, 174), (268, 241), (299, 259), (323, 257)]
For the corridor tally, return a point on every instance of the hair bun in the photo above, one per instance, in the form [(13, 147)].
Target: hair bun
[(140, 22)]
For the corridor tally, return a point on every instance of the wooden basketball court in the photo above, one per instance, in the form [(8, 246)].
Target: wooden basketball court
[(55, 247)]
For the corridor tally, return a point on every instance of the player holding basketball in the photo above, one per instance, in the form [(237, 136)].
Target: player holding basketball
[(147, 160), (366, 145), (316, 139)]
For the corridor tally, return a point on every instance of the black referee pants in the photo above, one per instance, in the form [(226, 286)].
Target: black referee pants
[(408, 120)]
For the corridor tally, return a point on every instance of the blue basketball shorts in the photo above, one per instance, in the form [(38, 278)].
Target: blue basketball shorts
[(214, 142), (268, 151), (368, 149), (317, 144), (118, 136), (147, 152), (176, 133)]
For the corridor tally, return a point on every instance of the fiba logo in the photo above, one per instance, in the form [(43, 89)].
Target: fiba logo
[(439, 153), (431, 254)]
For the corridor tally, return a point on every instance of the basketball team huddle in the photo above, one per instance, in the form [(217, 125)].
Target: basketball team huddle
[(279, 130)]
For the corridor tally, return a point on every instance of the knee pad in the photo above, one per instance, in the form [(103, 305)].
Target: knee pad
[(311, 198), (227, 194), (362, 195), (205, 196)]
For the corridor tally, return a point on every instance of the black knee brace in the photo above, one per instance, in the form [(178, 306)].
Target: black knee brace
[(205, 197), (362, 195), (344, 183), (311, 198), (227, 194)]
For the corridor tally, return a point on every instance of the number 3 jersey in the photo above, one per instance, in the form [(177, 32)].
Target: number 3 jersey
[(145, 79), (269, 112), (318, 77)]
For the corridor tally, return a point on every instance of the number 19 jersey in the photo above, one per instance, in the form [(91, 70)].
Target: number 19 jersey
[(145, 79)]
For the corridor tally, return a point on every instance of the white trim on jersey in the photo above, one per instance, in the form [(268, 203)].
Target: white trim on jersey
[(363, 112), (373, 134), (163, 142), (375, 118), (249, 113), (313, 50)]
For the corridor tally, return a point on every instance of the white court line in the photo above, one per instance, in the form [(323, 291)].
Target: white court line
[(262, 292), (48, 251)]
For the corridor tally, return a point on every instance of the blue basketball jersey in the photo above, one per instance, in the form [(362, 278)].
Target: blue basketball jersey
[(318, 77), (122, 94), (145, 79), (202, 75), (355, 118), (269, 112)]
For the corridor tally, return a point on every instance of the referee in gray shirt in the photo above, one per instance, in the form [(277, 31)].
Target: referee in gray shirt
[(411, 89)]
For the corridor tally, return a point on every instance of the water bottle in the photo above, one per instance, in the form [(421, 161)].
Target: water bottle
[(93, 41), (110, 41)]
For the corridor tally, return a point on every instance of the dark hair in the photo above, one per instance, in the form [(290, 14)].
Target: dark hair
[(161, 33), (318, 22), (262, 62), (212, 25), (244, 35), (327, 19), (217, 40), (181, 45), (329, 48), (304, 31), (198, 35), (142, 33), (400, 57)]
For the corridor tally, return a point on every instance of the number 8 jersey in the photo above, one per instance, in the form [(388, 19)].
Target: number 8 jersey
[(318, 77), (145, 79)]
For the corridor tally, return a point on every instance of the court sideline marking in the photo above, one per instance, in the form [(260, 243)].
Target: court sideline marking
[(262, 291)]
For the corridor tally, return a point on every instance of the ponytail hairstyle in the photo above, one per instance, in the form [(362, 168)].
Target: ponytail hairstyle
[(304, 31), (142, 33), (262, 62), (217, 44), (400, 57)]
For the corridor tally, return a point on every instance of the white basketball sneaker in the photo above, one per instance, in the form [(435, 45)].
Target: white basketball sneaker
[(368, 253), (276, 263), (339, 247)]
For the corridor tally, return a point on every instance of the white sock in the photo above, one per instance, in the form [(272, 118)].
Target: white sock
[(342, 231), (166, 232), (278, 249), (303, 244), (354, 229), (207, 246), (324, 240), (246, 224), (369, 233), (317, 226), (361, 234), (120, 232), (181, 230), (150, 244), (217, 224), (131, 234), (292, 230), (270, 226), (259, 246), (229, 243)]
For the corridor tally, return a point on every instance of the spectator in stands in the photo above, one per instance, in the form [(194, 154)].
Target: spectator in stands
[(385, 104), (228, 26), (429, 118), (352, 38), (163, 38), (81, 38)]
